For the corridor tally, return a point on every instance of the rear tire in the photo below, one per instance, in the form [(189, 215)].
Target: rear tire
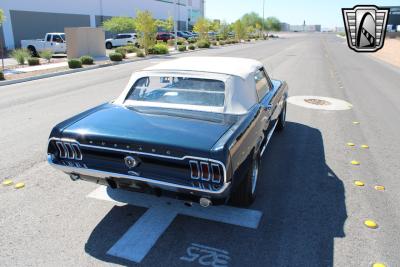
[(246, 191), (282, 119), (109, 45), (33, 51)]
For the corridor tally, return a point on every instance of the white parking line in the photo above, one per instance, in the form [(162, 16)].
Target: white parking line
[(140, 238)]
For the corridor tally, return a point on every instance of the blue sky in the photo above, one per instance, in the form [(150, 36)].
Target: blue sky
[(324, 12)]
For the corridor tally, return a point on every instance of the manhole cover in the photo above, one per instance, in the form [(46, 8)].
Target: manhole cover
[(319, 102)]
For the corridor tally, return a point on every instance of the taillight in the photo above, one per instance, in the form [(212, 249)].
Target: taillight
[(69, 150), (205, 171)]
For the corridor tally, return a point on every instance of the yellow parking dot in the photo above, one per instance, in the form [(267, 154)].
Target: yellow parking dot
[(379, 187), (355, 162), (356, 122), (378, 264), (371, 224), (358, 183), (364, 146), (350, 144), (19, 185), (7, 182)]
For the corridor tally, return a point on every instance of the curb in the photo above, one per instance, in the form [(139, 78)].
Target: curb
[(55, 74)]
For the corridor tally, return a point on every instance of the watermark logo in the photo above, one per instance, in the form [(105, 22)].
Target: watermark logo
[(365, 27)]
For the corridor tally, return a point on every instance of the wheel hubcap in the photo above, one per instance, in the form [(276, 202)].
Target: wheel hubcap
[(254, 176)]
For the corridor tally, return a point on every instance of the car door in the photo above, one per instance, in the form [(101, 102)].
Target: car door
[(48, 44), (57, 44), (272, 101), (265, 92)]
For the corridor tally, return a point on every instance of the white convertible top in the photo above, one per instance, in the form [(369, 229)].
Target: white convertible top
[(241, 67), (236, 73)]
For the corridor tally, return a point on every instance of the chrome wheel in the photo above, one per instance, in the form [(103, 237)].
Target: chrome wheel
[(254, 176)]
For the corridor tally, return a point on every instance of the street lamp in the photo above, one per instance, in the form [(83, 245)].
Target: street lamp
[(263, 22), (176, 24)]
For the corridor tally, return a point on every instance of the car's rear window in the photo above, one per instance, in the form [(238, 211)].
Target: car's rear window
[(179, 90)]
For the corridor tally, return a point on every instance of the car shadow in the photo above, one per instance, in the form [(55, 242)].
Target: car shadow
[(302, 198), (302, 201)]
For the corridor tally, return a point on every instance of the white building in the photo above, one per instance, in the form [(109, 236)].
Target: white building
[(29, 19)]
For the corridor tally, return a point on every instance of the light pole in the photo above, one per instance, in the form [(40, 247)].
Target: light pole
[(263, 22), (176, 24)]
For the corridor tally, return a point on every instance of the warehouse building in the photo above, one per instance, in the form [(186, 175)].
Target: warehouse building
[(27, 19)]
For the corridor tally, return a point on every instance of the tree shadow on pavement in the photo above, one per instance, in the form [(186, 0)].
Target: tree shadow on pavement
[(302, 201)]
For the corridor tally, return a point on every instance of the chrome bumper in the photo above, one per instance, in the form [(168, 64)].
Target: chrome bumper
[(222, 192)]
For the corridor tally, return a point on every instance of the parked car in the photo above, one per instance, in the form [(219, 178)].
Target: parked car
[(191, 34), (54, 41), (194, 127), (182, 34), (122, 39), (165, 36)]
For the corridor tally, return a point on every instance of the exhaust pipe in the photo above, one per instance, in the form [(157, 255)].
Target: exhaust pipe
[(74, 176), (205, 202)]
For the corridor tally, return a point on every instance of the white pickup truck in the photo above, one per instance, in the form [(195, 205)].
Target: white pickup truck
[(54, 41)]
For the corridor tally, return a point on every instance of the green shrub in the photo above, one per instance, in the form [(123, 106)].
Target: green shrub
[(159, 49), (33, 61), (192, 47), (214, 43), (221, 43), (116, 57), (170, 42), (46, 54), (130, 48), (20, 55), (140, 53), (203, 44), (181, 41), (182, 48), (87, 60), (192, 40), (1, 76), (122, 51), (74, 63)]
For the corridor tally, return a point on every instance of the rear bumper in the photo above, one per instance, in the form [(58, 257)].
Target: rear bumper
[(137, 183)]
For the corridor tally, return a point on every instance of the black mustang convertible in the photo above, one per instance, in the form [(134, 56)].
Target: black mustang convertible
[(192, 128)]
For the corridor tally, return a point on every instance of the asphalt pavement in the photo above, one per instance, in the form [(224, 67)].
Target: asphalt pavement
[(312, 213)]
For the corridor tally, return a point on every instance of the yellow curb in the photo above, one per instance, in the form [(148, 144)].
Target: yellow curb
[(356, 122), (355, 162), (378, 264), (19, 185), (7, 182), (371, 224), (364, 146), (350, 144), (358, 183), (379, 187)]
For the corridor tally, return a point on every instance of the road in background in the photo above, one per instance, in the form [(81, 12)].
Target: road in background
[(313, 214)]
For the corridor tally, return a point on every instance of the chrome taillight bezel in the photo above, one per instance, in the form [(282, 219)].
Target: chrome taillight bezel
[(206, 171), (69, 150)]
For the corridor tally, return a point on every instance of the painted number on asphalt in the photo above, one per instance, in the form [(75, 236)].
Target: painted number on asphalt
[(206, 256)]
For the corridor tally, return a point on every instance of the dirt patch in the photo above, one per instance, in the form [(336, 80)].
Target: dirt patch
[(390, 52)]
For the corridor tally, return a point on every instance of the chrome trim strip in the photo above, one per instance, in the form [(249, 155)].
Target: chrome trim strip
[(268, 138), (202, 174), (142, 153), (68, 145), (77, 151), (213, 175), (103, 174), (61, 149), (195, 162)]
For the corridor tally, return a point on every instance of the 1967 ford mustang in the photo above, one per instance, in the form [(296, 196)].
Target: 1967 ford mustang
[(192, 128)]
